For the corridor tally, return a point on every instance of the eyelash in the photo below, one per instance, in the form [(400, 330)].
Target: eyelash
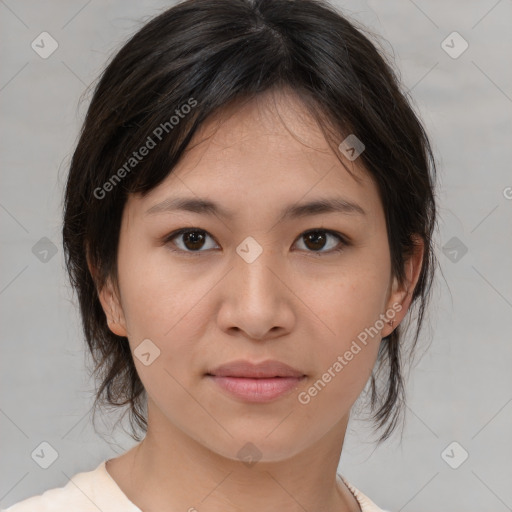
[(342, 239)]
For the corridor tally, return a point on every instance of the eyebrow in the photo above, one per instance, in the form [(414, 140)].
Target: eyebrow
[(207, 207)]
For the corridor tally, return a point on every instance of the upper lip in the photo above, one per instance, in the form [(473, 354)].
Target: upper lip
[(247, 369)]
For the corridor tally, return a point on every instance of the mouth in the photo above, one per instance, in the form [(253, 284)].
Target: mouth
[(251, 382)]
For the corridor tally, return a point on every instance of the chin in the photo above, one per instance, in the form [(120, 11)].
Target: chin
[(251, 445)]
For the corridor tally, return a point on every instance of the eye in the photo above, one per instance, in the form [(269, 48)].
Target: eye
[(190, 240), (318, 239), (195, 240)]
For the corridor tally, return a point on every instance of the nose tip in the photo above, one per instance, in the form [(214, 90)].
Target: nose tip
[(260, 334), (256, 302)]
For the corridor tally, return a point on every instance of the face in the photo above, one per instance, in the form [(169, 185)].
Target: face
[(256, 276)]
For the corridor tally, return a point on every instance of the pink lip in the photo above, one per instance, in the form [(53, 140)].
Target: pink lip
[(261, 382)]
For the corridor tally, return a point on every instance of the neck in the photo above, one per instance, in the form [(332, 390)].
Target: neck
[(169, 470)]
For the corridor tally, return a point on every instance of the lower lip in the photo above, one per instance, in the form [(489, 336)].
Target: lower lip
[(257, 390)]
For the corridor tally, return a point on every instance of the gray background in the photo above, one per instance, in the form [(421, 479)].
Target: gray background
[(461, 388)]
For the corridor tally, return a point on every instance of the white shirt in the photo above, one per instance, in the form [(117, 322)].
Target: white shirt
[(96, 490)]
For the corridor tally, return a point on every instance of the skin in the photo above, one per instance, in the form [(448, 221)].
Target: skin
[(294, 304)]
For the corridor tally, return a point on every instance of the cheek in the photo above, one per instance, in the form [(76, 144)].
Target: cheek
[(156, 294), (345, 355), (348, 300), (167, 304), (347, 309)]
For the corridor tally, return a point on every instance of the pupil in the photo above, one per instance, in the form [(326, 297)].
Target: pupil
[(317, 238), (195, 239)]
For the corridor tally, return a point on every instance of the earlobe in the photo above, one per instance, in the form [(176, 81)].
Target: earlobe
[(110, 304), (401, 295), (113, 310)]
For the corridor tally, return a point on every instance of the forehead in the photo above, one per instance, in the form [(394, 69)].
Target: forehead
[(275, 124), (263, 152)]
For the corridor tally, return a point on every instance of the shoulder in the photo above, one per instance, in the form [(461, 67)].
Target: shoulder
[(80, 494), (366, 504)]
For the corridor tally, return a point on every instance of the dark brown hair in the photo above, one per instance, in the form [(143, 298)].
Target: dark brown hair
[(215, 52)]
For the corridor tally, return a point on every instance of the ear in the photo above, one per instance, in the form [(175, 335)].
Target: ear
[(111, 304), (400, 296)]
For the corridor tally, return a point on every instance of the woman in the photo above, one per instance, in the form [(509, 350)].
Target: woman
[(248, 221)]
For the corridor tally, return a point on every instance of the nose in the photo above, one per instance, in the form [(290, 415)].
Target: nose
[(256, 299)]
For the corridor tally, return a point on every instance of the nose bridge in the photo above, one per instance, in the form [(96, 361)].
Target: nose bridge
[(256, 301), (255, 268)]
